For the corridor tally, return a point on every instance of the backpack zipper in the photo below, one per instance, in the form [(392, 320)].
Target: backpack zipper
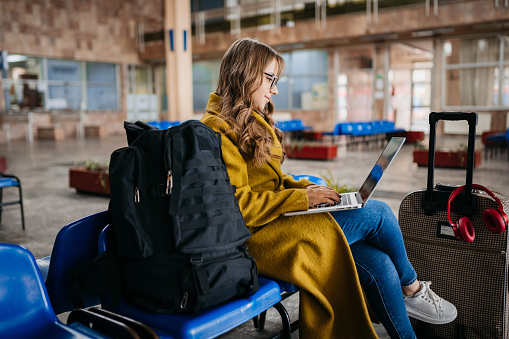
[(136, 195), (169, 183), (136, 175), (183, 302)]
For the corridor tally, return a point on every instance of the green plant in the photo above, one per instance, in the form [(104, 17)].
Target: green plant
[(97, 166), (420, 145), (92, 165), (298, 144), (336, 184)]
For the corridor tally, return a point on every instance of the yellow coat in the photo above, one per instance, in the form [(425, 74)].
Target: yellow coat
[(309, 251)]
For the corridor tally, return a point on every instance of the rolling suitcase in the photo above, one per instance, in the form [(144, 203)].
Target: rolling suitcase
[(471, 275)]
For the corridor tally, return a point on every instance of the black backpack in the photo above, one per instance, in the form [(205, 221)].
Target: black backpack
[(176, 228)]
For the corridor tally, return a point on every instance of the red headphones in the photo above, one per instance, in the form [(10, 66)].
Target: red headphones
[(495, 219)]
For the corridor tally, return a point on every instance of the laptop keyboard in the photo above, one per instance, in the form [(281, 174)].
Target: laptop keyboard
[(345, 200)]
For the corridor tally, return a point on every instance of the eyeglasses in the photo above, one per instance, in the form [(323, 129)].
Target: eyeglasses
[(273, 80)]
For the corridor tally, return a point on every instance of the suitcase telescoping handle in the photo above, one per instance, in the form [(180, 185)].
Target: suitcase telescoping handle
[(434, 117)]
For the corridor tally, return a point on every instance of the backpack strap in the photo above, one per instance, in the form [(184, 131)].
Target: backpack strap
[(176, 168), (200, 277)]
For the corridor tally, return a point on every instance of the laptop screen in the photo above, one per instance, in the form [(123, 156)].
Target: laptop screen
[(381, 165)]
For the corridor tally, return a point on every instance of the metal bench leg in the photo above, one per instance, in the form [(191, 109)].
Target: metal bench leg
[(259, 320), (285, 318), (21, 207)]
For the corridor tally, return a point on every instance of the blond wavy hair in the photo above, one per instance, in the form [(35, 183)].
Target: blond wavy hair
[(240, 75)]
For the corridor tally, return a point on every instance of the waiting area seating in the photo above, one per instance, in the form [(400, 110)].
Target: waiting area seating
[(295, 125), (208, 323), (495, 142), (164, 124), (6, 181), (82, 240), (25, 308), (364, 132)]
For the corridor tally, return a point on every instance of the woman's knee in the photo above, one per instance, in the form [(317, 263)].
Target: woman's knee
[(374, 265), (380, 206)]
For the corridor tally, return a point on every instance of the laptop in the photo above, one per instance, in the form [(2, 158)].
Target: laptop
[(358, 199)]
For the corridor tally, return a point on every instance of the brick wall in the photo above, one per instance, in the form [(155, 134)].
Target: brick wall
[(91, 30)]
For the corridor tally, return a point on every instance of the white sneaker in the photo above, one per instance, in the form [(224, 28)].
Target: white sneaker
[(425, 305)]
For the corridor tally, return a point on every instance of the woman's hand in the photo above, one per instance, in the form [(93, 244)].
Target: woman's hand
[(318, 194)]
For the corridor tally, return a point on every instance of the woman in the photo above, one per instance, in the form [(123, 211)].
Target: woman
[(311, 251)]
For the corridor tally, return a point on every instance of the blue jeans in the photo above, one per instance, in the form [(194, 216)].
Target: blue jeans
[(376, 242)]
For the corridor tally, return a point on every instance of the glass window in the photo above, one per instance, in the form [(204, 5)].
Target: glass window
[(102, 86), (142, 84), (475, 76), (23, 82), (205, 77), (65, 96), (505, 93), (280, 100), (142, 103), (471, 87), (308, 73), (421, 96), (310, 92), (464, 51), (342, 97), (308, 62), (162, 85), (101, 73), (64, 70), (64, 84)]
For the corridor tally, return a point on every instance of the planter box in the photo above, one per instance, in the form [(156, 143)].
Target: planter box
[(452, 159), (84, 180), (3, 164), (314, 152), (414, 136), (316, 136)]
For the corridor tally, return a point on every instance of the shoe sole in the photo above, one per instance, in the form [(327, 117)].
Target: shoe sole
[(429, 320)]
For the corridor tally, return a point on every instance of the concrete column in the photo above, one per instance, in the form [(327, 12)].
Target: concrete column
[(179, 73)]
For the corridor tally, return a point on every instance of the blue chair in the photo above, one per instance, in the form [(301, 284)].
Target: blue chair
[(316, 180), (496, 142), (25, 308), (336, 131), (341, 129), (165, 124), (75, 243), (6, 181), (208, 323), (295, 125), (281, 125), (155, 124)]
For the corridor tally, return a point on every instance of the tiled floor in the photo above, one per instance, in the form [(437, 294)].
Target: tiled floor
[(50, 204)]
